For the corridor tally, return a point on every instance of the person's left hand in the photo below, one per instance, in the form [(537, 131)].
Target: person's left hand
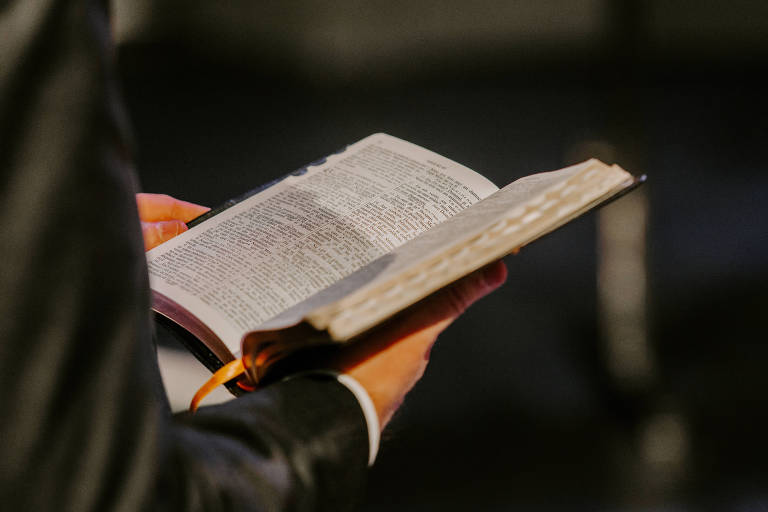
[(163, 217), (393, 357)]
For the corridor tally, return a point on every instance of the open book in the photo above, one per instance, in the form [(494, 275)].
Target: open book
[(333, 250)]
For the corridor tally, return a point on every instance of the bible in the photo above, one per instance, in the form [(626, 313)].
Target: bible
[(327, 253)]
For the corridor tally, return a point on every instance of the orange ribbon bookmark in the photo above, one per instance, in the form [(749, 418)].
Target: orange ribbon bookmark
[(224, 374)]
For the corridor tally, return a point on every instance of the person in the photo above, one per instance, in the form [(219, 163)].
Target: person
[(86, 424)]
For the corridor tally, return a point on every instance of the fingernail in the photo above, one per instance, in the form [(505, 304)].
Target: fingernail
[(169, 229)]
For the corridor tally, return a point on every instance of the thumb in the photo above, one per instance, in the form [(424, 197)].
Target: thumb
[(156, 233)]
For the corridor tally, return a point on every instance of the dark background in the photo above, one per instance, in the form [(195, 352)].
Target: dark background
[(523, 406)]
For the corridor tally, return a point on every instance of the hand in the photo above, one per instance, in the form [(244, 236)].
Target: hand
[(394, 357), (163, 217)]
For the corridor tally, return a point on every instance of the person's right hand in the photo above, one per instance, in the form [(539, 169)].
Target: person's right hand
[(394, 357)]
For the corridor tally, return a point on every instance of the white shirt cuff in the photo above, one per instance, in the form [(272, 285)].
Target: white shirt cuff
[(369, 411)]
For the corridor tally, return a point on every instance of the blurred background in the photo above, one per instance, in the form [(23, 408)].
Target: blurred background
[(622, 367)]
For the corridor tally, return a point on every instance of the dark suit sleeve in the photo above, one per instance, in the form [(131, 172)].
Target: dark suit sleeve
[(84, 425)]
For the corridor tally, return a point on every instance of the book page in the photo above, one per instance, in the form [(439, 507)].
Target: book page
[(508, 219), (426, 246), (280, 246)]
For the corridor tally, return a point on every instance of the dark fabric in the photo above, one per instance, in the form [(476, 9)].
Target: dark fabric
[(84, 423)]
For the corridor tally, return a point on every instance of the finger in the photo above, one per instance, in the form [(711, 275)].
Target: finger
[(394, 358), (156, 233), (456, 298), (394, 355), (420, 324), (436, 312), (158, 207)]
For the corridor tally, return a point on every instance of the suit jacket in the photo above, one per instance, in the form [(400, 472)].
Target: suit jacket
[(85, 424)]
